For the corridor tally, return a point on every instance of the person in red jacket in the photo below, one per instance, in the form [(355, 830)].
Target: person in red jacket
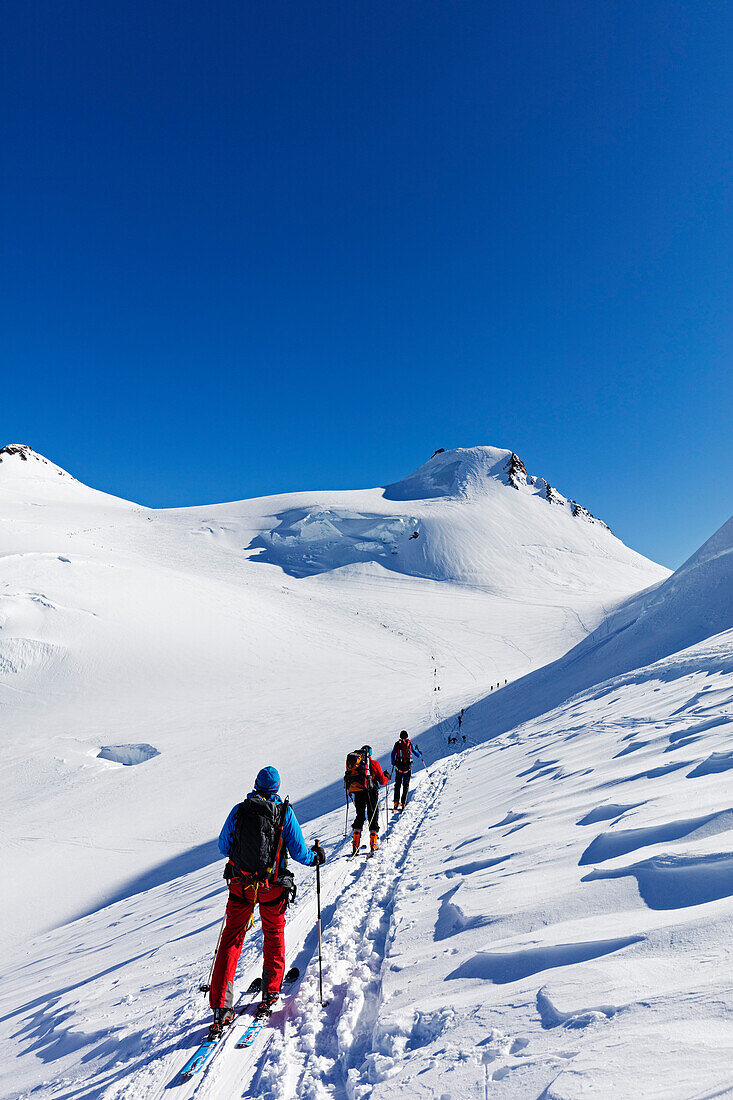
[(365, 792)]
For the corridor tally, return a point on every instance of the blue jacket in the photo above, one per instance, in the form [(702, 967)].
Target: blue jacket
[(292, 834), (395, 756)]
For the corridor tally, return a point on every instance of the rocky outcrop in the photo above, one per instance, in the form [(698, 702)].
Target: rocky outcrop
[(553, 495), (516, 471), (22, 450), (582, 513)]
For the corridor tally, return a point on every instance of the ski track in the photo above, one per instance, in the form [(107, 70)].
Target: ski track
[(330, 1051), (308, 1051)]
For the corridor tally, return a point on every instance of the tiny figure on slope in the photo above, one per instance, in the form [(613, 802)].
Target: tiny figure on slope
[(363, 778), (402, 764), (256, 839)]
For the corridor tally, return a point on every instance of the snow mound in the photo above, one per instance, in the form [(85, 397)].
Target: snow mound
[(127, 754), (468, 472), (462, 472)]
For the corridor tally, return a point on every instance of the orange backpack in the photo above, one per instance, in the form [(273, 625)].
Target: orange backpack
[(356, 776)]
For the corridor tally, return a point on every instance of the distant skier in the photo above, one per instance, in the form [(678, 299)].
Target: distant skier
[(402, 764), (256, 838), (362, 778)]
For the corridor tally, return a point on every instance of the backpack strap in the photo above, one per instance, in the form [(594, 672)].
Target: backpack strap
[(276, 865)]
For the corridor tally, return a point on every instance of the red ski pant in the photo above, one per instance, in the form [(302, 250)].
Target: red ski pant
[(273, 901)]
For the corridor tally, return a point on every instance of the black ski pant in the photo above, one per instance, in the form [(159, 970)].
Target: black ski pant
[(366, 804), (401, 779)]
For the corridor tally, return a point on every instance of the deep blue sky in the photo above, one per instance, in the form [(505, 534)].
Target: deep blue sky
[(258, 247)]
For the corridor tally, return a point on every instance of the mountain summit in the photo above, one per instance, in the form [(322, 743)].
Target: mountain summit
[(20, 460), (466, 473), (27, 477)]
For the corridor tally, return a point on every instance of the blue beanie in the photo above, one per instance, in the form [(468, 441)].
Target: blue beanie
[(268, 779)]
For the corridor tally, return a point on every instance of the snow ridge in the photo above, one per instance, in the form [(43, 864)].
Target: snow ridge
[(467, 473)]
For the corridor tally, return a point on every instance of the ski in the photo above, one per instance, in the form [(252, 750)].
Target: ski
[(247, 1038), (204, 1053)]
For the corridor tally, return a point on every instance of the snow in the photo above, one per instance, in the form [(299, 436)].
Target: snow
[(551, 914), (124, 625)]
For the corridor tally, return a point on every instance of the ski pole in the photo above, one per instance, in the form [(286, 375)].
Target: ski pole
[(386, 805), (346, 822), (318, 902), (206, 986), (430, 778)]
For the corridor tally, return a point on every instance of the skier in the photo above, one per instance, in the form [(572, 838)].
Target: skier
[(363, 778), (402, 764), (256, 839)]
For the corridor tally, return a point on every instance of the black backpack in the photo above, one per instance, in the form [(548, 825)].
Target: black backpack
[(257, 846)]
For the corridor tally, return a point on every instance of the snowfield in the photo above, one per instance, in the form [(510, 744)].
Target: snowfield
[(550, 917)]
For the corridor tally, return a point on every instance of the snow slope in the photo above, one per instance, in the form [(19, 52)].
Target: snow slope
[(693, 604), (550, 917), (199, 642)]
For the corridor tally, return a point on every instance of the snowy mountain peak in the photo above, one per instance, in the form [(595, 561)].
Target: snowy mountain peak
[(20, 459), (462, 472), (28, 478), (470, 472)]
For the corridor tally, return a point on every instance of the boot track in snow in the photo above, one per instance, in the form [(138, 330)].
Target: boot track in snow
[(305, 1050)]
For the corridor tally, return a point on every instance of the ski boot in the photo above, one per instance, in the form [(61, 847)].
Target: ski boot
[(355, 842), (223, 1017), (396, 807), (373, 843), (266, 1005)]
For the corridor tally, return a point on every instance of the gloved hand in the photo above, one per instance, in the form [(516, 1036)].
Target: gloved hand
[(389, 776), (320, 854)]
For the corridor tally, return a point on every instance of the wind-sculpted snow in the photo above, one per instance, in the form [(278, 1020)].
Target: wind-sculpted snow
[(672, 881), (501, 967), (622, 841)]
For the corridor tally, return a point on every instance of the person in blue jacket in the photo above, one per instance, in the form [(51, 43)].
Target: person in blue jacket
[(402, 764), (257, 837)]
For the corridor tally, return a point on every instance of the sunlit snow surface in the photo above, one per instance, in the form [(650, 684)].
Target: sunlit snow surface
[(483, 948), (551, 916)]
